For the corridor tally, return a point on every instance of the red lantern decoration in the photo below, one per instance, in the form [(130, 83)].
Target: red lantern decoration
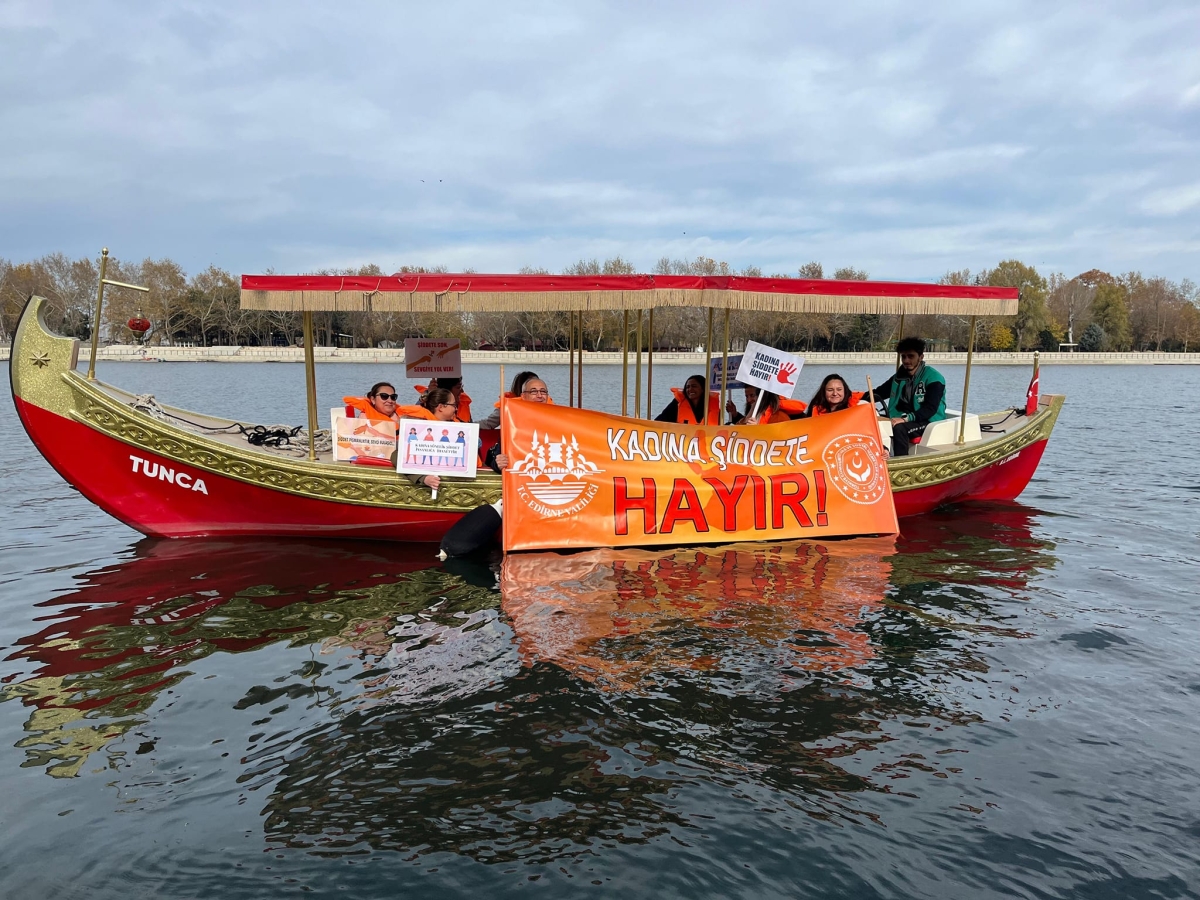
[(139, 324)]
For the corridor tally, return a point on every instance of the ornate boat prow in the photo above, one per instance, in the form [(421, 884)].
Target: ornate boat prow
[(167, 480)]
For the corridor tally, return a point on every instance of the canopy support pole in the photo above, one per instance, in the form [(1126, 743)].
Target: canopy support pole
[(96, 319), (310, 378), (625, 364), (571, 358), (899, 338), (579, 371), (708, 370), (100, 309), (725, 364), (962, 420), (650, 366), (637, 372)]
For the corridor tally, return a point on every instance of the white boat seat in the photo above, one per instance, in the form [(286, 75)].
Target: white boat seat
[(945, 432)]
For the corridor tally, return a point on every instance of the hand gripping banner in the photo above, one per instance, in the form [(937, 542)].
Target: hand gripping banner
[(579, 478)]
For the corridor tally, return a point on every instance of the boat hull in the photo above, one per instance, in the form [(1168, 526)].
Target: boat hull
[(169, 482)]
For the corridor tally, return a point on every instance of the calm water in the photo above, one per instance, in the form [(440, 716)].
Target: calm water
[(1002, 702)]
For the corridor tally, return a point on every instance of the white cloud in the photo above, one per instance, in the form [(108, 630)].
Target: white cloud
[(299, 135)]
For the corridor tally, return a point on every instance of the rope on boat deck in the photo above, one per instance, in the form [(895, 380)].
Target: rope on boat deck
[(288, 438)]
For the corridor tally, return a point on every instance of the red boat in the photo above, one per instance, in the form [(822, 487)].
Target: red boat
[(175, 473)]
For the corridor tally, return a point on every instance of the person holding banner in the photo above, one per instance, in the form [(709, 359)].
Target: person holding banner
[(518, 390), (769, 412), (833, 394), (915, 395), (688, 406), (532, 389)]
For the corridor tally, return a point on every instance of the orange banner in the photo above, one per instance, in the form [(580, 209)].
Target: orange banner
[(586, 479)]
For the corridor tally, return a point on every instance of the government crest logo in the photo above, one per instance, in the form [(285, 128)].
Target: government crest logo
[(855, 468), (553, 473)]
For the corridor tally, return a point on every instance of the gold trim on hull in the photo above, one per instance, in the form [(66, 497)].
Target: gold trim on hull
[(920, 471)]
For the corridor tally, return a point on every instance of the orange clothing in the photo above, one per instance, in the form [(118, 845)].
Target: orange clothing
[(778, 416), (793, 408), (363, 405), (463, 413), (855, 399), (415, 412), (685, 415)]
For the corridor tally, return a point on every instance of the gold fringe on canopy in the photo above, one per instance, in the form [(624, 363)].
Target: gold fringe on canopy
[(548, 301)]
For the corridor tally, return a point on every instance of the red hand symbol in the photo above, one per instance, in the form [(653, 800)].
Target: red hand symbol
[(786, 371)]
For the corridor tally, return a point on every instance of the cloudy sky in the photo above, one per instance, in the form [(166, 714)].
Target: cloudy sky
[(904, 138)]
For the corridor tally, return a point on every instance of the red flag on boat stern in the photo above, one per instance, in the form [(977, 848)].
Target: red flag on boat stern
[(1031, 395)]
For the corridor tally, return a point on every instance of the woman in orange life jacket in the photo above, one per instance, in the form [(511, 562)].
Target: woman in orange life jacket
[(440, 405), (833, 394), (454, 386), (379, 405), (688, 406), (769, 412)]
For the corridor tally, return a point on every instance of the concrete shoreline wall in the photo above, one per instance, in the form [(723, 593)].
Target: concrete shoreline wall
[(128, 353)]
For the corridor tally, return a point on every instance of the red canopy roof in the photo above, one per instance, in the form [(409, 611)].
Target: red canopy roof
[(430, 292)]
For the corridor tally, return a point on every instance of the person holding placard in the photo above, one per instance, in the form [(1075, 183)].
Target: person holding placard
[(768, 409), (439, 402)]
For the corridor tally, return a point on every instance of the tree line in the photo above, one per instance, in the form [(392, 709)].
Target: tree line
[(1094, 310)]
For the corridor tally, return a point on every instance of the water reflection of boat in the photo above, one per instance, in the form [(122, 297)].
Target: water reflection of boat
[(111, 647), (783, 609)]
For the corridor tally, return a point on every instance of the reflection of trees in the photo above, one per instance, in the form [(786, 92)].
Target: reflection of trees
[(131, 631)]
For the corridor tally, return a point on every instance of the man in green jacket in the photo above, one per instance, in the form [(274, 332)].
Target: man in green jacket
[(915, 395)]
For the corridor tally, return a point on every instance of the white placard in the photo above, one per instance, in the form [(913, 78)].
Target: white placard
[(433, 357), (428, 447), (714, 376), (355, 437), (770, 369)]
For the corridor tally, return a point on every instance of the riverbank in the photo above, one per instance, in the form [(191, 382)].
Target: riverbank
[(127, 353)]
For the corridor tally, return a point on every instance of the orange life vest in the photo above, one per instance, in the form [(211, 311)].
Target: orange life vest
[(855, 399), (463, 413), (415, 412), (363, 405), (792, 408), (685, 415)]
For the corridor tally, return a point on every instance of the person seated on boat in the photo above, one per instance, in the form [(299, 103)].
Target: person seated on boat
[(833, 394), (769, 412), (441, 406), (454, 386), (518, 390), (688, 407), (533, 390), (915, 395), (379, 405)]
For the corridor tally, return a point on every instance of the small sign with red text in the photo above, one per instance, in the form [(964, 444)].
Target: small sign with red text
[(770, 369), (433, 357)]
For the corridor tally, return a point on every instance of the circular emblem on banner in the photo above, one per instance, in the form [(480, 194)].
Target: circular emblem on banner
[(555, 477), (855, 468)]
